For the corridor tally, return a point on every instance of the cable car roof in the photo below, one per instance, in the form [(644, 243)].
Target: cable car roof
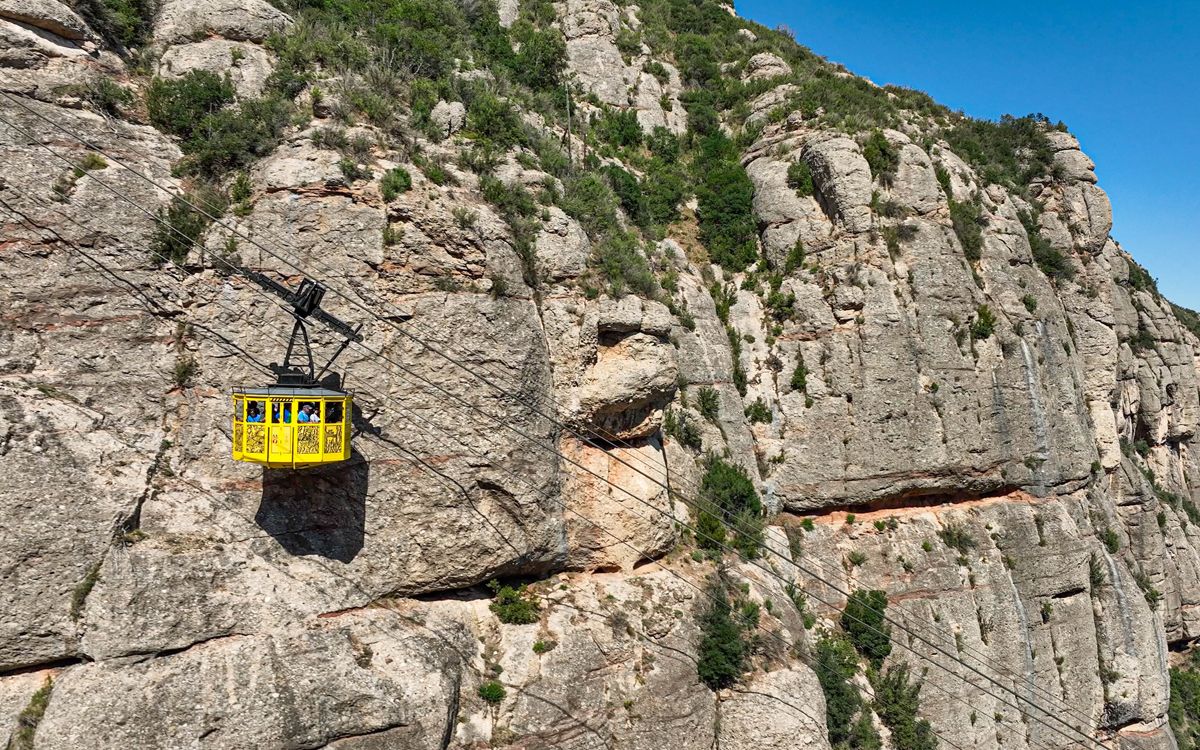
[(289, 391)]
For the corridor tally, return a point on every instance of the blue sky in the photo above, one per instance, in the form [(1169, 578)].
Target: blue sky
[(1123, 76)]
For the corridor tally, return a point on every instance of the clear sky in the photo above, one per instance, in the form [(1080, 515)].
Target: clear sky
[(1123, 76)]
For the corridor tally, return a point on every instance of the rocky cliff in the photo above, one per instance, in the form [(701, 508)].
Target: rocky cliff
[(911, 331)]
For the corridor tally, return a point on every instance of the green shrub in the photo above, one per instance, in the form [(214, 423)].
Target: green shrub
[(628, 191), (423, 35), (512, 201), (1140, 278), (1030, 302), (710, 532), (629, 42), (659, 71), (241, 189), (589, 200), (542, 58), (865, 624), (80, 593), (984, 324), (1189, 319), (185, 369), (758, 412), (1141, 340), (1050, 260), (1183, 712), (846, 718), (882, 157), (727, 490), (121, 22), (897, 702), (956, 537), (395, 181), (663, 144), (1010, 152), (435, 171), (856, 558), (31, 716), (352, 171), (662, 191), (1111, 541), (514, 606), (619, 128), (179, 226), (679, 426), (943, 178), (799, 178), (795, 258), (622, 263), (725, 205), (494, 121), (780, 306), (180, 106), (723, 652), (232, 138), (107, 96), (968, 222), (708, 403), (492, 692)]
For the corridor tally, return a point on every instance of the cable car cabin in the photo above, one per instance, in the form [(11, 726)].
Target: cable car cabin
[(286, 427)]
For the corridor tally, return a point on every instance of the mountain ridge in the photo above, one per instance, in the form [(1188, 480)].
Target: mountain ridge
[(710, 341)]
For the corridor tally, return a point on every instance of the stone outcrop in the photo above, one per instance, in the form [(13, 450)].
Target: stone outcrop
[(183, 21)]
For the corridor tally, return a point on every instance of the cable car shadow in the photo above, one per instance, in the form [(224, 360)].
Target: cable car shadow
[(320, 511)]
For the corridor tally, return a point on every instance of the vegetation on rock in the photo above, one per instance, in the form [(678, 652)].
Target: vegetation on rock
[(514, 606), (864, 620)]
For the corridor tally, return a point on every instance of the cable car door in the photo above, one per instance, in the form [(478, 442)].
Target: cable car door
[(279, 442)]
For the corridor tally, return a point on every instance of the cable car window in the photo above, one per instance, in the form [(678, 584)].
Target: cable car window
[(238, 414), (286, 407), (333, 412), (310, 411), (256, 411)]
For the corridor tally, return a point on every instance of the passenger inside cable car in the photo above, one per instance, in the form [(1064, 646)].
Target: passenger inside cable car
[(254, 411), (308, 413)]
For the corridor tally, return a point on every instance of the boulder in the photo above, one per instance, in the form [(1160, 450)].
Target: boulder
[(183, 21), (48, 15), (843, 179), (449, 117), (766, 65), (248, 65)]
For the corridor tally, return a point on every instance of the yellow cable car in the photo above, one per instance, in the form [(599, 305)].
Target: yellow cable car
[(283, 427), (296, 422)]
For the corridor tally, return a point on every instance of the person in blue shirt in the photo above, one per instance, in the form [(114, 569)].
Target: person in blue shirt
[(253, 414), (308, 414)]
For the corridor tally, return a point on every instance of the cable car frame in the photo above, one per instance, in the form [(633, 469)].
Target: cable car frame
[(295, 422)]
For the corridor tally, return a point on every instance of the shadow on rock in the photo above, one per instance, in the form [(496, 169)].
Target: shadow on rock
[(318, 511)]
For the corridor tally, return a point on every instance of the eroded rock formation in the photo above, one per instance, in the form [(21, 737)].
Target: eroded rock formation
[(174, 598)]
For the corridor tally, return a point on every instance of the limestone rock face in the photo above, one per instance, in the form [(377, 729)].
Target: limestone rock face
[(366, 673), (590, 28), (48, 15), (182, 21), (1018, 451), (248, 65), (843, 178), (614, 357)]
